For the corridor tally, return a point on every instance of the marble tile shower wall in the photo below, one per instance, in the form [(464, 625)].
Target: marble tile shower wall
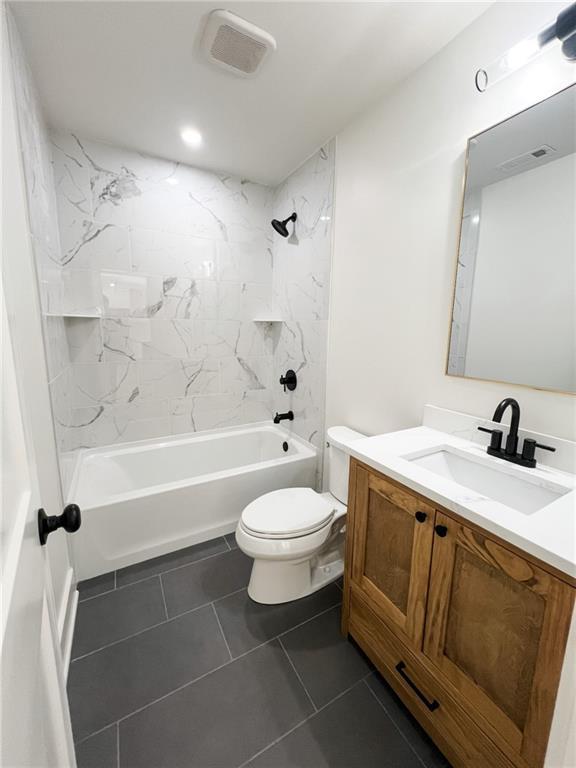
[(301, 285), (162, 269)]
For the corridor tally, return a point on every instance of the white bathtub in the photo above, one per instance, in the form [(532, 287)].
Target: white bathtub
[(141, 500)]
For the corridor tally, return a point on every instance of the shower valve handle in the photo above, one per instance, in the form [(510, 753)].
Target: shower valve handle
[(289, 380)]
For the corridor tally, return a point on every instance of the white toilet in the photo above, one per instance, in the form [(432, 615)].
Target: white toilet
[(296, 535)]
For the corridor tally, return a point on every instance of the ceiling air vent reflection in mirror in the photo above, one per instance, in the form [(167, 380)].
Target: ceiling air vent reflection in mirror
[(531, 157), (235, 44)]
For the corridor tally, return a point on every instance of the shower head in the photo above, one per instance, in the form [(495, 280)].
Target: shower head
[(280, 226)]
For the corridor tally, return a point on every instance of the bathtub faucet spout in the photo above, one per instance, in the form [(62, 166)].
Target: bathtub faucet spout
[(281, 416)]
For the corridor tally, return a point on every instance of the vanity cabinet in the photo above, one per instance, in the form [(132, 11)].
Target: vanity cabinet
[(469, 631), (392, 547)]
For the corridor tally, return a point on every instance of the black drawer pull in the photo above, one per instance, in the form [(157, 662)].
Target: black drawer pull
[(420, 516), (441, 530), (432, 705)]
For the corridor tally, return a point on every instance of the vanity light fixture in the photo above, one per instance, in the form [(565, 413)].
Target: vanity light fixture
[(562, 29), (191, 137)]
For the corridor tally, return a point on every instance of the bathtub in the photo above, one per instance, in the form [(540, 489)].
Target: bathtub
[(140, 500)]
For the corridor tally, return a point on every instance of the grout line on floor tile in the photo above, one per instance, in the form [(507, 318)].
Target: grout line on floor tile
[(395, 724), (342, 693), (301, 624), (302, 722), (93, 597), (227, 544), (276, 741), (177, 567), (164, 621), (212, 602), (120, 640), (175, 690), (297, 675), (95, 733), (140, 632), (195, 680), (117, 745), (222, 630), (118, 589), (163, 596), (145, 578)]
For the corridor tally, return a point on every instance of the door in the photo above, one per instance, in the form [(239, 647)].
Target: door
[(25, 224), (392, 551), (34, 720), (35, 724), (496, 628)]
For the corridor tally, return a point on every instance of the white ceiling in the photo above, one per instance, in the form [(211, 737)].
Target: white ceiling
[(132, 74)]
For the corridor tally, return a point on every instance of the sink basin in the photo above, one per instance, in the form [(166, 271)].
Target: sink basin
[(514, 491)]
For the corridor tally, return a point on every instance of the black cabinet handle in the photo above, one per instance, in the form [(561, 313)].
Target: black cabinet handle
[(70, 520), (431, 705), (420, 516), (441, 530)]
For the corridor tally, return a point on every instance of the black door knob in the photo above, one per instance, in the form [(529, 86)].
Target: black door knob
[(420, 516), (70, 520), (441, 530)]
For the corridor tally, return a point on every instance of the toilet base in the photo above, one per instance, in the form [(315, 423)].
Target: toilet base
[(273, 582)]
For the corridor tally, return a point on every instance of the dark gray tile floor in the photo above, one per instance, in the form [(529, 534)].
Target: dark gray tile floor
[(175, 667)]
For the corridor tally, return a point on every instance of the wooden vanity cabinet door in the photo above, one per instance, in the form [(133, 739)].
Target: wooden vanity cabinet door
[(391, 553), (496, 627)]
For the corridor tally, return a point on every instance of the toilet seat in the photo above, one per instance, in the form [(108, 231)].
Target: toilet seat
[(287, 514)]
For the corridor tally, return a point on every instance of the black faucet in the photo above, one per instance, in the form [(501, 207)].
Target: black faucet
[(526, 458), (281, 416), (512, 439)]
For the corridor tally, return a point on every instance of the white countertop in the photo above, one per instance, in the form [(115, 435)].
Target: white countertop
[(548, 533)]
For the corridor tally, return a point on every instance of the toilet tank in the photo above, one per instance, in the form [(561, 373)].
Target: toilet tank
[(338, 460)]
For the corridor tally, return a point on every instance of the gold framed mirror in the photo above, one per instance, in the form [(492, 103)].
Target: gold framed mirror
[(514, 302)]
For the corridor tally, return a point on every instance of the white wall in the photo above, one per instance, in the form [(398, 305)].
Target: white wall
[(523, 308), (398, 199)]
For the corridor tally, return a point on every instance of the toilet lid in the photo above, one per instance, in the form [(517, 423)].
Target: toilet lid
[(287, 513)]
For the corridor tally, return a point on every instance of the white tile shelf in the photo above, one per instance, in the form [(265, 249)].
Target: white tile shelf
[(86, 316)]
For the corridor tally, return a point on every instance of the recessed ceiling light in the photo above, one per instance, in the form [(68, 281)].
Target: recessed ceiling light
[(191, 136)]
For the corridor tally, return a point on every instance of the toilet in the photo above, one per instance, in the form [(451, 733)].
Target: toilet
[(296, 535)]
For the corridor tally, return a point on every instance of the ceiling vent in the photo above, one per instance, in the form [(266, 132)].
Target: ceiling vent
[(527, 158), (235, 44)]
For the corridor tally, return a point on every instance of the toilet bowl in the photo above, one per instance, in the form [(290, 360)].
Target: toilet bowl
[(296, 535)]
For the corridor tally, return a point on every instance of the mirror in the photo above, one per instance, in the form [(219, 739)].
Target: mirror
[(514, 311)]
